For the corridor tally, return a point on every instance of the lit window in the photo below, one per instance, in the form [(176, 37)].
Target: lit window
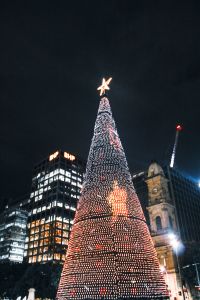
[(63, 257), (46, 241), (58, 240), (64, 241), (32, 238), (67, 173), (46, 226), (36, 236), (45, 257), (62, 171), (61, 177), (65, 226), (59, 224), (57, 256), (58, 232), (55, 178), (65, 234)]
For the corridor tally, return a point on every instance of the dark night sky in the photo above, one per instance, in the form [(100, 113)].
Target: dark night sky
[(52, 58)]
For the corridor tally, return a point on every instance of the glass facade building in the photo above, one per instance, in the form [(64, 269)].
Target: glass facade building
[(56, 186), (185, 194), (12, 234)]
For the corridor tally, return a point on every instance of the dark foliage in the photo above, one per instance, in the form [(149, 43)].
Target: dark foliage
[(16, 279)]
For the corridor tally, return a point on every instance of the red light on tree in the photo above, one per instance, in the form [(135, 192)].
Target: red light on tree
[(72, 293), (179, 127), (99, 247), (102, 291)]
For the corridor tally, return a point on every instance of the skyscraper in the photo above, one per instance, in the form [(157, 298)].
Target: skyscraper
[(56, 186), (12, 234), (111, 254)]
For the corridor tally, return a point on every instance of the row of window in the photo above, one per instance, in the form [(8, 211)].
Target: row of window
[(48, 241), (46, 257)]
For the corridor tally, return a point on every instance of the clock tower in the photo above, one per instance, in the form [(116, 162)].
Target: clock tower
[(162, 217)]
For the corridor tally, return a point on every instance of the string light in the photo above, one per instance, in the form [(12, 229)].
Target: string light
[(111, 254)]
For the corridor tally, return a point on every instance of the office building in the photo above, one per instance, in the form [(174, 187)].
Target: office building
[(12, 234), (56, 187)]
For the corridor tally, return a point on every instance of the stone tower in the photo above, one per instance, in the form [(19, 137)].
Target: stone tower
[(163, 223)]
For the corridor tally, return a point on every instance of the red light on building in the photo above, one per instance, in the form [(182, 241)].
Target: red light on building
[(179, 127)]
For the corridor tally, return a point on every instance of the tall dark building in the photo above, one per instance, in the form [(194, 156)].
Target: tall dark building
[(56, 186), (186, 196)]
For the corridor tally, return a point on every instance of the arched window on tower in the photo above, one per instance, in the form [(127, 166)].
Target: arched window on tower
[(158, 223), (170, 222)]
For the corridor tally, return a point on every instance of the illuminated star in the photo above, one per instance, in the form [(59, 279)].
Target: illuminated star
[(104, 86)]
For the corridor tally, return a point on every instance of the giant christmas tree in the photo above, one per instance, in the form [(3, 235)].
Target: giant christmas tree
[(111, 253)]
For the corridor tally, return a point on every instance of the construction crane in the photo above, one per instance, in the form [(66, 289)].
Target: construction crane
[(178, 129)]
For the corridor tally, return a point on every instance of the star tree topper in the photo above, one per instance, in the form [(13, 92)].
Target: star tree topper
[(104, 86)]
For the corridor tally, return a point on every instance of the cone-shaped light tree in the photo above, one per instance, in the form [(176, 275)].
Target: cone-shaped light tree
[(111, 254)]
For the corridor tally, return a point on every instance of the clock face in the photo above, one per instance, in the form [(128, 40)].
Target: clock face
[(154, 190)]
